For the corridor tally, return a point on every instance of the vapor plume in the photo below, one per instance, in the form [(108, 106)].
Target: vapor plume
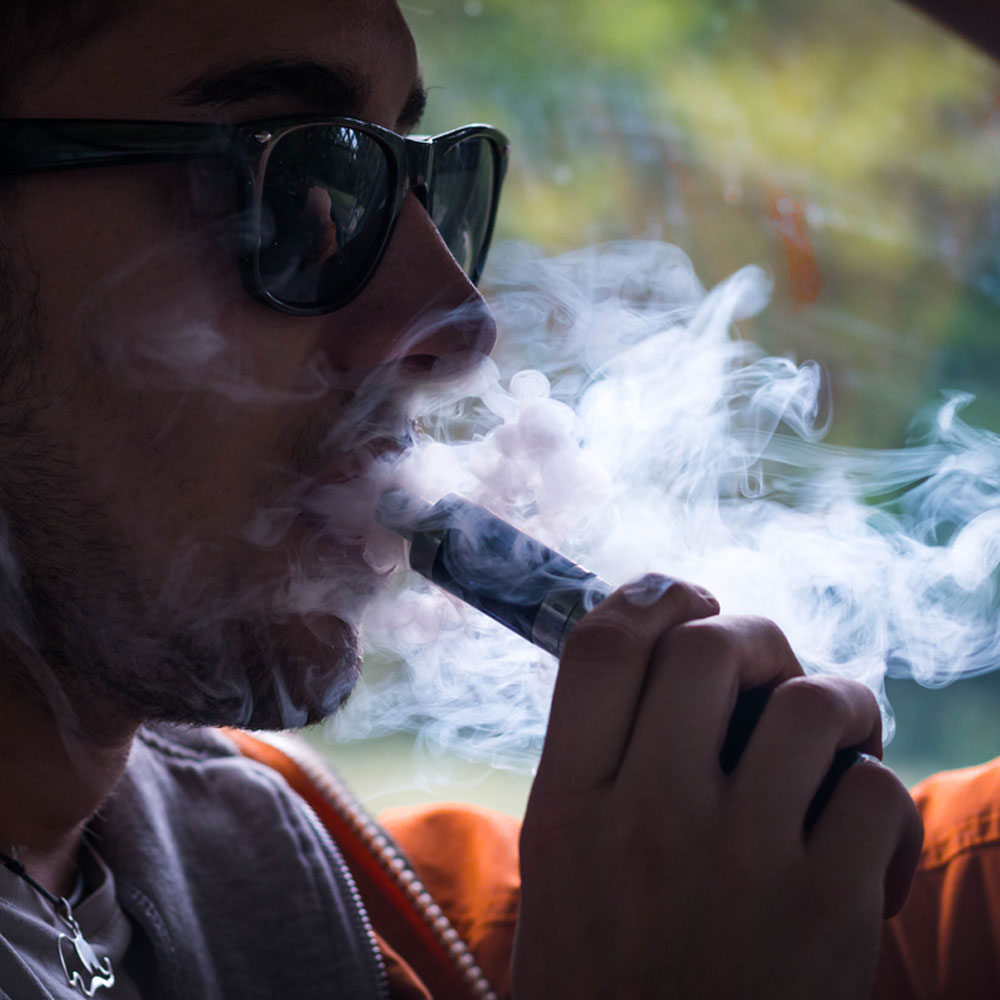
[(643, 434)]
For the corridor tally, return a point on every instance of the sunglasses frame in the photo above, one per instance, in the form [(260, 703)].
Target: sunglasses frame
[(37, 145)]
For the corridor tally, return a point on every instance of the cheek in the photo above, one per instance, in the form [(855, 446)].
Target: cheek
[(179, 401), (130, 293), (172, 405), (93, 230), (149, 295)]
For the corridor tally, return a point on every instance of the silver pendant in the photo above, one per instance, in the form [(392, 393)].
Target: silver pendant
[(84, 970)]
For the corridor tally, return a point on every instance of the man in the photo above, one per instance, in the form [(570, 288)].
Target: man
[(212, 339)]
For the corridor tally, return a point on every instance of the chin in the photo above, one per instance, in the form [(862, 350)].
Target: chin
[(281, 675), (312, 682)]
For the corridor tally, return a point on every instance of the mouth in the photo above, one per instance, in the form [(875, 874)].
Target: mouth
[(368, 460), (336, 506), (318, 524)]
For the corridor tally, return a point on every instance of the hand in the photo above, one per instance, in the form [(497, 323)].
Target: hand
[(647, 872)]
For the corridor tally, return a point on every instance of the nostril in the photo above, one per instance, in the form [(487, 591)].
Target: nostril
[(418, 364), (466, 327), (478, 327)]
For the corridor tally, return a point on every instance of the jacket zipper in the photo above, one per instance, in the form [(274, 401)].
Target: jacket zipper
[(392, 861), (362, 924)]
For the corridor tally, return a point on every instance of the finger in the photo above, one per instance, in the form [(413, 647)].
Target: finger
[(698, 671), (602, 673), (870, 834), (805, 722)]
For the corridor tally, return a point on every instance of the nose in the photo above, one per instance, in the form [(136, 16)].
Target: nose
[(419, 307)]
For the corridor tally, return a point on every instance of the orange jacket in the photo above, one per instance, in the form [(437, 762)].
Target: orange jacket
[(946, 941)]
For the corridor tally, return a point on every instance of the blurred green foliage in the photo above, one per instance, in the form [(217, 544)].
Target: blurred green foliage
[(851, 148)]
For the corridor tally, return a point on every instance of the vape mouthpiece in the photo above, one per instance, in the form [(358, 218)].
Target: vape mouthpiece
[(492, 566)]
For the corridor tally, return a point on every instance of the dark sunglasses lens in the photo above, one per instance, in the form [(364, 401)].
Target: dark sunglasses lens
[(325, 208), (464, 182)]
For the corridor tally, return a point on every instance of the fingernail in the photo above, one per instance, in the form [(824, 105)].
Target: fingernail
[(869, 758), (709, 596), (648, 589)]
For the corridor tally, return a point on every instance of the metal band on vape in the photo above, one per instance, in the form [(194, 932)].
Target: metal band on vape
[(562, 608), (424, 548)]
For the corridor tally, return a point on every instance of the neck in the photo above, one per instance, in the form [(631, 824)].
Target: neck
[(53, 777)]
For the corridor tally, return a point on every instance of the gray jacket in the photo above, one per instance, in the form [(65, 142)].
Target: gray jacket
[(235, 889)]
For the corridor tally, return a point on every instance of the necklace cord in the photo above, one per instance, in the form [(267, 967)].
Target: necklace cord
[(17, 867)]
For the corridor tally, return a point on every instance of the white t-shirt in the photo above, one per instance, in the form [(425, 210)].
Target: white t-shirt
[(29, 923)]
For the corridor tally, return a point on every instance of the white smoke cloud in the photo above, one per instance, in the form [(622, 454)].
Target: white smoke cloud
[(646, 436)]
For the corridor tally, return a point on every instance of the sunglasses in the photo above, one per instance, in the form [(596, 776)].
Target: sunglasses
[(316, 198)]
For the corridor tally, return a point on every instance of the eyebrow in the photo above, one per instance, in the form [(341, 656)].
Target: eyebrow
[(413, 108), (341, 91)]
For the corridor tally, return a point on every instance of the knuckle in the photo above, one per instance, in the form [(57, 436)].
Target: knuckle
[(769, 633), (765, 636), (883, 797), (704, 641), (883, 786), (811, 699), (636, 615), (723, 642), (731, 635), (601, 634)]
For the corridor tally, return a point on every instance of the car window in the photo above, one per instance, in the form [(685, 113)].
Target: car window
[(850, 148)]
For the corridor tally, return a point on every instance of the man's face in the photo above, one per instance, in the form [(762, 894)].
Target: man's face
[(187, 473)]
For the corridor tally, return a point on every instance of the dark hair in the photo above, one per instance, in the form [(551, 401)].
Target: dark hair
[(33, 30)]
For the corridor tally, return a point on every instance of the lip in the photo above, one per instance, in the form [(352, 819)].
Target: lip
[(338, 502), (327, 517), (361, 462)]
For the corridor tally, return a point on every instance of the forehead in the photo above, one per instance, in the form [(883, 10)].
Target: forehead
[(139, 66)]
